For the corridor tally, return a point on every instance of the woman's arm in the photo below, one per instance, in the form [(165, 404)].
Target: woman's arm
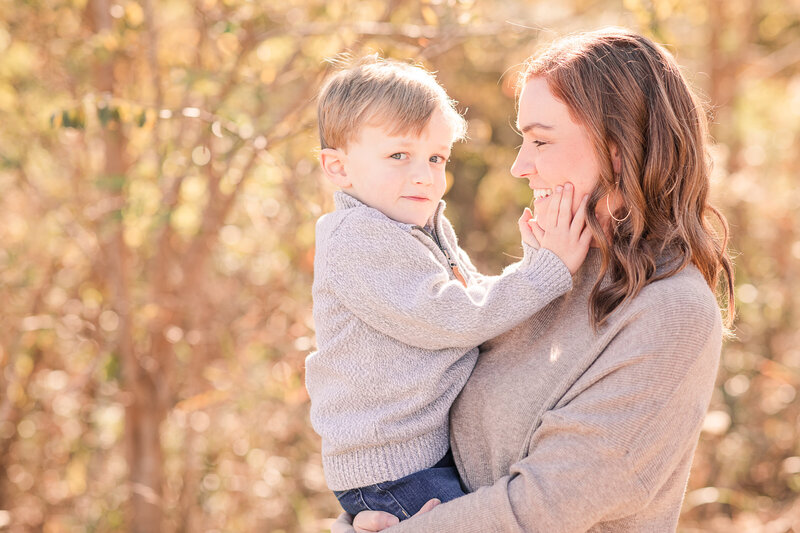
[(626, 426)]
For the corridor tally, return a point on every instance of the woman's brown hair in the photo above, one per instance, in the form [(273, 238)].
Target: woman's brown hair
[(629, 94)]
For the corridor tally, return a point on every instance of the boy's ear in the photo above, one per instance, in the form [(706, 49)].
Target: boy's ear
[(332, 162)]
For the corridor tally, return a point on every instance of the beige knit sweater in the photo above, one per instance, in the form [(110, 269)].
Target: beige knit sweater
[(560, 429), (397, 336)]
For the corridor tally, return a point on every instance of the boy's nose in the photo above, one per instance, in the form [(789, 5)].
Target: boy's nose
[(422, 174)]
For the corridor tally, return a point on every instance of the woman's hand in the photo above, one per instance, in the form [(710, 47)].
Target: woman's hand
[(371, 521), (365, 522)]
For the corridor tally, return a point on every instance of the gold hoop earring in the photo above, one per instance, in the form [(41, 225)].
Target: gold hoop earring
[(618, 220)]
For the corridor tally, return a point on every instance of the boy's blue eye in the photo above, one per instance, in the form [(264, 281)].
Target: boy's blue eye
[(437, 159), (399, 156)]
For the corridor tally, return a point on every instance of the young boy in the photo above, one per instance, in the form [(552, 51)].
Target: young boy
[(398, 306)]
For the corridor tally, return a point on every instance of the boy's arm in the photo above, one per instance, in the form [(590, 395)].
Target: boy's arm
[(396, 286), (562, 233)]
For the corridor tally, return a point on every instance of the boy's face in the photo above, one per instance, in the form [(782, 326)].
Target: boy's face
[(401, 176)]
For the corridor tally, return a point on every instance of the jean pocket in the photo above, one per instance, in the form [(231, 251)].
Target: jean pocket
[(352, 501), (391, 501)]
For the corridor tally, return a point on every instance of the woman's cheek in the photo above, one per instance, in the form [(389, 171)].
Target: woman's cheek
[(540, 208)]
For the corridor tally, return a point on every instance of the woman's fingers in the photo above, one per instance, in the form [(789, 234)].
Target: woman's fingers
[(370, 521), (430, 504), (343, 524)]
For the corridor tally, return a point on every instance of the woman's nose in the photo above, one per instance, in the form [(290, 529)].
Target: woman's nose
[(523, 164)]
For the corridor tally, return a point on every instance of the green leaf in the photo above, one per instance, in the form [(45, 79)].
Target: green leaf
[(110, 182)]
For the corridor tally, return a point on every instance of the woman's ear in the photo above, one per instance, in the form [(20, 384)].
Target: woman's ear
[(616, 160), (332, 161)]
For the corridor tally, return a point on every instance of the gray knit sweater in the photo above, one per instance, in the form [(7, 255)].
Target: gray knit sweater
[(397, 336), (560, 429)]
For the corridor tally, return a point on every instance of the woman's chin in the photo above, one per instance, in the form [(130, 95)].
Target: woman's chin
[(540, 208)]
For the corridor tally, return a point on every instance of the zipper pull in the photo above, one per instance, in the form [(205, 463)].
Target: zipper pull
[(454, 268), (458, 275)]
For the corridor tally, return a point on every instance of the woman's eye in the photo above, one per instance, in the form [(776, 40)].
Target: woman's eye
[(399, 156), (539, 143)]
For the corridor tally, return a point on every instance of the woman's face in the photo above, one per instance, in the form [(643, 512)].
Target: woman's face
[(554, 149)]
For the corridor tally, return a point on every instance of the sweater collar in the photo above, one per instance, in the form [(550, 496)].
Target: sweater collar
[(594, 261), (343, 201)]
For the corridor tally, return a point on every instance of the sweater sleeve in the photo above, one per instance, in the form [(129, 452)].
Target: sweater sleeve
[(465, 261), (397, 286), (612, 442)]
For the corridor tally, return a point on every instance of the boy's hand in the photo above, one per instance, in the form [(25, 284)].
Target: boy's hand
[(526, 225), (566, 236)]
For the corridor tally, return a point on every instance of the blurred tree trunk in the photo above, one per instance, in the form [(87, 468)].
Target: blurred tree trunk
[(144, 411), (726, 59)]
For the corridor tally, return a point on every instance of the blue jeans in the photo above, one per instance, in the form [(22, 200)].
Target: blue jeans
[(405, 496)]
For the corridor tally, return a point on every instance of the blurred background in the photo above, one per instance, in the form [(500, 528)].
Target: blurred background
[(158, 194)]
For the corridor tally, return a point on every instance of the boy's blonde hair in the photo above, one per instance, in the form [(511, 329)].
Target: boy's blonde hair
[(386, 92)]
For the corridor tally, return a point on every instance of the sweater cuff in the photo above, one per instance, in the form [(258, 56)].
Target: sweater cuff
[(545, 270), (529, 253)]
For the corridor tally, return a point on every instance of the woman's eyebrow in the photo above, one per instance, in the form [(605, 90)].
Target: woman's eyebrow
[(534, 125)]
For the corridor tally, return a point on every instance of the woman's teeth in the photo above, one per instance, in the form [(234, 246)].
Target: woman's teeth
[(541, 193)]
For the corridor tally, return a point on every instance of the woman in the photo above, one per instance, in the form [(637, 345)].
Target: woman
[(586, 417)]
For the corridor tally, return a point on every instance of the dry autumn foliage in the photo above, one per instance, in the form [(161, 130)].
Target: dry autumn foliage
[(158, 194)]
